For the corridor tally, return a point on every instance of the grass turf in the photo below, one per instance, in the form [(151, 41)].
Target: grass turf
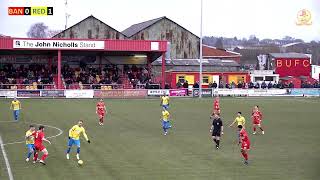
[(131, 144)]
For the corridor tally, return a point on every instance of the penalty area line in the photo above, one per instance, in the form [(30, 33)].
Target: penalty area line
[(6, 159), (19, 142)]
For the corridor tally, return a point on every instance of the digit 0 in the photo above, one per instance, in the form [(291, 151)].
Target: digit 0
[(27, 11)]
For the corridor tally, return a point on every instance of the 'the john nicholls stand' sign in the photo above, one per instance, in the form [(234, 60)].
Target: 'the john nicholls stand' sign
[(56, 44)]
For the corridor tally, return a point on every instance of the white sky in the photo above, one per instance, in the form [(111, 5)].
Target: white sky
[(228, 18)]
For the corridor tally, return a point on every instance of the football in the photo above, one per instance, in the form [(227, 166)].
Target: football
[(80, 162)]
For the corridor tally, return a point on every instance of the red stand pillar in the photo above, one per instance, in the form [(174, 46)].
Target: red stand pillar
[(149, 66), (163, 71), (59, 69)]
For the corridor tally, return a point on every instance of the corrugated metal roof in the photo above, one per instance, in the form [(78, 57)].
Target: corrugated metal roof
[(195, 62), (87, 18), (132, 30), (288, 55)]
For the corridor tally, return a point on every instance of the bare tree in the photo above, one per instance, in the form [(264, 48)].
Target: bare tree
[(51, 33), (37, 30), (219, 43)]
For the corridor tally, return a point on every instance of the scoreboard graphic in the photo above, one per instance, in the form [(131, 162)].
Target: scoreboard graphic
[(30, 11)]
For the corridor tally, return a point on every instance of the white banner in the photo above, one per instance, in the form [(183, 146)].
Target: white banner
[(79, 93), (266, 92), (9, 94), (56, 44), (157, 92)]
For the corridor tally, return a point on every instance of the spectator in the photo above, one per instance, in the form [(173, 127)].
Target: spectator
[(263, 85), (196, 85), (291, 85), (257, 85), (251, 85), (269, 85), (214, 85), (233, 85), (240, 85), (228, 86), (221, 85), (186, 86)]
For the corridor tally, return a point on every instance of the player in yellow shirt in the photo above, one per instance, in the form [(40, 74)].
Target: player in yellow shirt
[(165, 101), (30, 142), (15, 106), (241, 121), (165, 121), (74, 138)]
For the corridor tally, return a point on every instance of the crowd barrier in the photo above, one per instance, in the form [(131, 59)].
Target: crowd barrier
[(144, 93)]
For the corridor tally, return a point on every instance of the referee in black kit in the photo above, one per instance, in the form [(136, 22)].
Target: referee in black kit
[(216, 129)]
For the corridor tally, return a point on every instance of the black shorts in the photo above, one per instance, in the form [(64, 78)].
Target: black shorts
[(216, 133)]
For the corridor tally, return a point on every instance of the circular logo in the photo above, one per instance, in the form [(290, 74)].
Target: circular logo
[(304, 17), (196, 92)]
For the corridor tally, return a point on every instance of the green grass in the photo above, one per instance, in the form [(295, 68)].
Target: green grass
[(131, 144)]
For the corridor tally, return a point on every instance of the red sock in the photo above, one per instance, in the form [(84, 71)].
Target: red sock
[(44, 157), (254, 129), (245, 155), (35, 156)]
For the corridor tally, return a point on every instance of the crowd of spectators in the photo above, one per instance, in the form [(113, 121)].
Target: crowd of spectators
[(89, 75), (137, 75), (263, 85), (251, 85), (25, 74), (109, 75)]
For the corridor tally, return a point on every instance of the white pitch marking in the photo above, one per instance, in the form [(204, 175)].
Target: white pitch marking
[(19, 142), (6, 159)]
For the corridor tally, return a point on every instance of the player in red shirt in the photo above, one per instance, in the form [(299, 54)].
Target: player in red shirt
[(256, 119), (216, 106), (245, 144), (39, 138), (101, 111)]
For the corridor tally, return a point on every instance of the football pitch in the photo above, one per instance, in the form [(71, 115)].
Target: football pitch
[(131, 145)]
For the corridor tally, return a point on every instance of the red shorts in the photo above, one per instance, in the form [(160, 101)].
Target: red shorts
[(40, 147), (245, 145), (256, 122), (101, 114)]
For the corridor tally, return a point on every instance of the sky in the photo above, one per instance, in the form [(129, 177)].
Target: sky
[(272, 19)]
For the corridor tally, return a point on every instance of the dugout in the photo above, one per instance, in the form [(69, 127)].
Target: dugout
[(59, 51)]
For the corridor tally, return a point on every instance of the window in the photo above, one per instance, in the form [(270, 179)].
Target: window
[(258, 79), (89, 34), (205, 79), (181, 79), (269, 78)]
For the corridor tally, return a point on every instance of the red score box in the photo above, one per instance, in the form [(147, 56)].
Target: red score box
[(15, 11)]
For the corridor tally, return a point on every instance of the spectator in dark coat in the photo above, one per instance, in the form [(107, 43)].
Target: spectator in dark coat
[(291, 85), (269, 85), (214, 85), (186, 86), (263, 85), (196, 85), (220, 85)]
